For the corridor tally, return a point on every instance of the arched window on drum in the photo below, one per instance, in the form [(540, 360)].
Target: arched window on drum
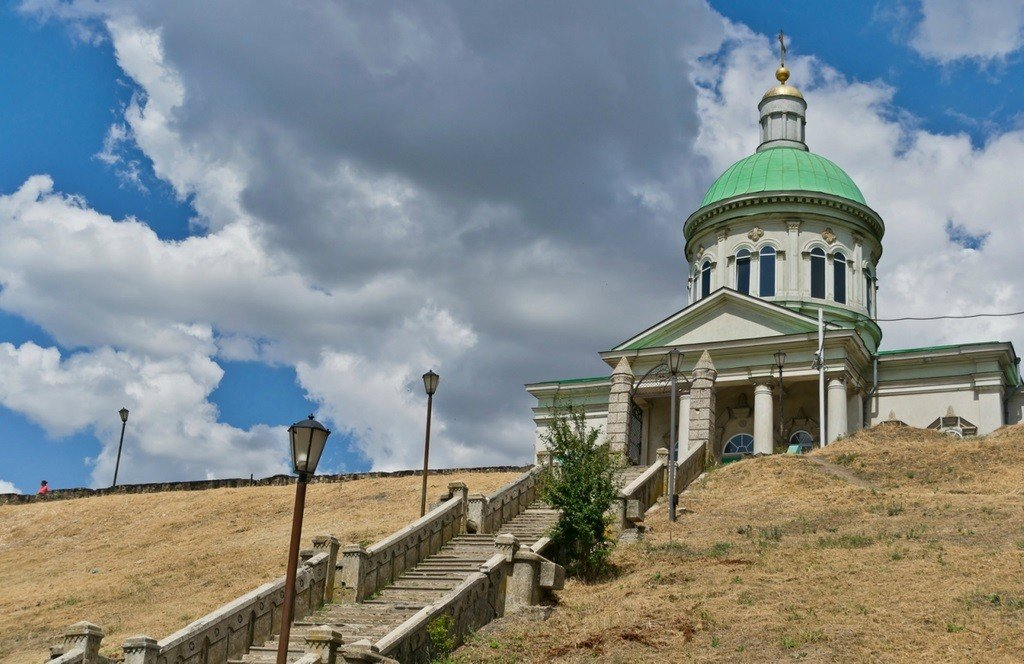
[(743, 271), (818, 273), (839, 278), (705, 279), (766, 272)]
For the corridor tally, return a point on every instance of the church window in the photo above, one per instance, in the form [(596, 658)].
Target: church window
[(767, 272), (803, 439), (817, 272), (705, 279), (741, 443), (839, 278), (743, 271), (867, 289)]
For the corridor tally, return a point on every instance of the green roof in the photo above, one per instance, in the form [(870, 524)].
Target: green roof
[(783, 169)]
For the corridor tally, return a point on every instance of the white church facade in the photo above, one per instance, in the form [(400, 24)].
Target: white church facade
[(782, 237)]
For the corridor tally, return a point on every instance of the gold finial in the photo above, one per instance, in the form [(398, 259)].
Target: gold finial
[(782, 74)]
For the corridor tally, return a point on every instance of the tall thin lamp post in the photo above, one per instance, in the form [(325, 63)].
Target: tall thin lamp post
[(430, 380), (124, 422), (673, 361), (308, 439), (780, 359)]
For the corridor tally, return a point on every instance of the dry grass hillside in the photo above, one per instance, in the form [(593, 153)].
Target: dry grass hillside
[(894, 545), (151, 563)]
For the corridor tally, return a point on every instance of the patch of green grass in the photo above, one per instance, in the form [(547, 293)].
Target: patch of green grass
[(846, 459), (789, 642), (846, 542), (770, 534), (894, 510), (953, 627)]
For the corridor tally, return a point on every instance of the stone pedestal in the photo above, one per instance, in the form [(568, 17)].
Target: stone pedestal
[(763, 419), (702, 408), (617, 429)]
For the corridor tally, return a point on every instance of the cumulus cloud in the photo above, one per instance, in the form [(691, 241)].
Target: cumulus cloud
[(981, 30), (8, 487), (422, 186), (495, 193)]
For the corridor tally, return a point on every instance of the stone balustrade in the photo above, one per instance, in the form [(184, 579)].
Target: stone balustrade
[(511, 579), (474, 603), (79, 645), (365, 571), (638, 496), (488, 513), (690, 467)]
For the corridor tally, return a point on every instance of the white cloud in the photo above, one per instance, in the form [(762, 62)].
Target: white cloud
[(384, 190), (8, 487), (981, 30)]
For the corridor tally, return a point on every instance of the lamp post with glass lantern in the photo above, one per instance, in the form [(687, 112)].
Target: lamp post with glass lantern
[(780, 359), (308, 439), (673, 361), (124, 422), (430, 380)]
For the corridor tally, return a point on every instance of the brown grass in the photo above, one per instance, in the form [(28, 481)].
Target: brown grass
[(152, 563), (907, 547)]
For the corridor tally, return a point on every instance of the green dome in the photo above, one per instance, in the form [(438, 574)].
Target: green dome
[(783, 169)]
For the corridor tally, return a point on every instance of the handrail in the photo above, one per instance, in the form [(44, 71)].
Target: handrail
[(689, 467), (637, 497), (250, 619), (488, 513), (471, 605), (365, 571)]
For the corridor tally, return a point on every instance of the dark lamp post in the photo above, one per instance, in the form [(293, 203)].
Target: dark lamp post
[(124, 422), (308, 439), (430, 381), (673, 361), (780, 360)]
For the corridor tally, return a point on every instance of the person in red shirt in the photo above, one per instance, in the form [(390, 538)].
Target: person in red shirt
[(44, 488)]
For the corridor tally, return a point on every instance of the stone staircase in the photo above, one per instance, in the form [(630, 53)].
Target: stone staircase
[(630, 473), (419, 586)]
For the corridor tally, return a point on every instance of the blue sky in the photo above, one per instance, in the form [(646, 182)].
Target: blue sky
[(381, 211)]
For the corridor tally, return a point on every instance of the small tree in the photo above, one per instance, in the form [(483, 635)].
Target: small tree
[(583, 487)]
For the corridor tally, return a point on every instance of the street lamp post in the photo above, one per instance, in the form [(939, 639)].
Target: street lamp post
[(780, 359), (124, 422), (674, 359), (308, 439), (430, 380)]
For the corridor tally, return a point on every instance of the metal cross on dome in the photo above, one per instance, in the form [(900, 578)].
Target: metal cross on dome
[(782, 48)]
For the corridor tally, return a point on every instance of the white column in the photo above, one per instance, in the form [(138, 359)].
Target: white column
[(836, 409), (792, 284), (763, 419), (720, 277), (683, 435)]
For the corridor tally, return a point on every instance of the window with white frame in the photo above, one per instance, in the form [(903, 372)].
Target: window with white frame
[(839, 277), (741, 443), (766, 272), (818, 272), (705, 279), (743, 271)]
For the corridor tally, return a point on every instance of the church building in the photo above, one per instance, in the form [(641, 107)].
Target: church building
[(782, 238)]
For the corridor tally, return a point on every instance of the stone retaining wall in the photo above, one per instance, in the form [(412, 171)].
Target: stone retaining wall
[(202, 485)]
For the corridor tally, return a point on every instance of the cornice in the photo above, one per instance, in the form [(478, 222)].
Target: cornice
[(707, 216)]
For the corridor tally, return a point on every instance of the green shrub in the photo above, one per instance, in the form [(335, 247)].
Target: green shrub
[(441, 632), (583, 488)]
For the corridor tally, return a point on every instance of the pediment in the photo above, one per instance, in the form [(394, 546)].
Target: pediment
[(725, 315)]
